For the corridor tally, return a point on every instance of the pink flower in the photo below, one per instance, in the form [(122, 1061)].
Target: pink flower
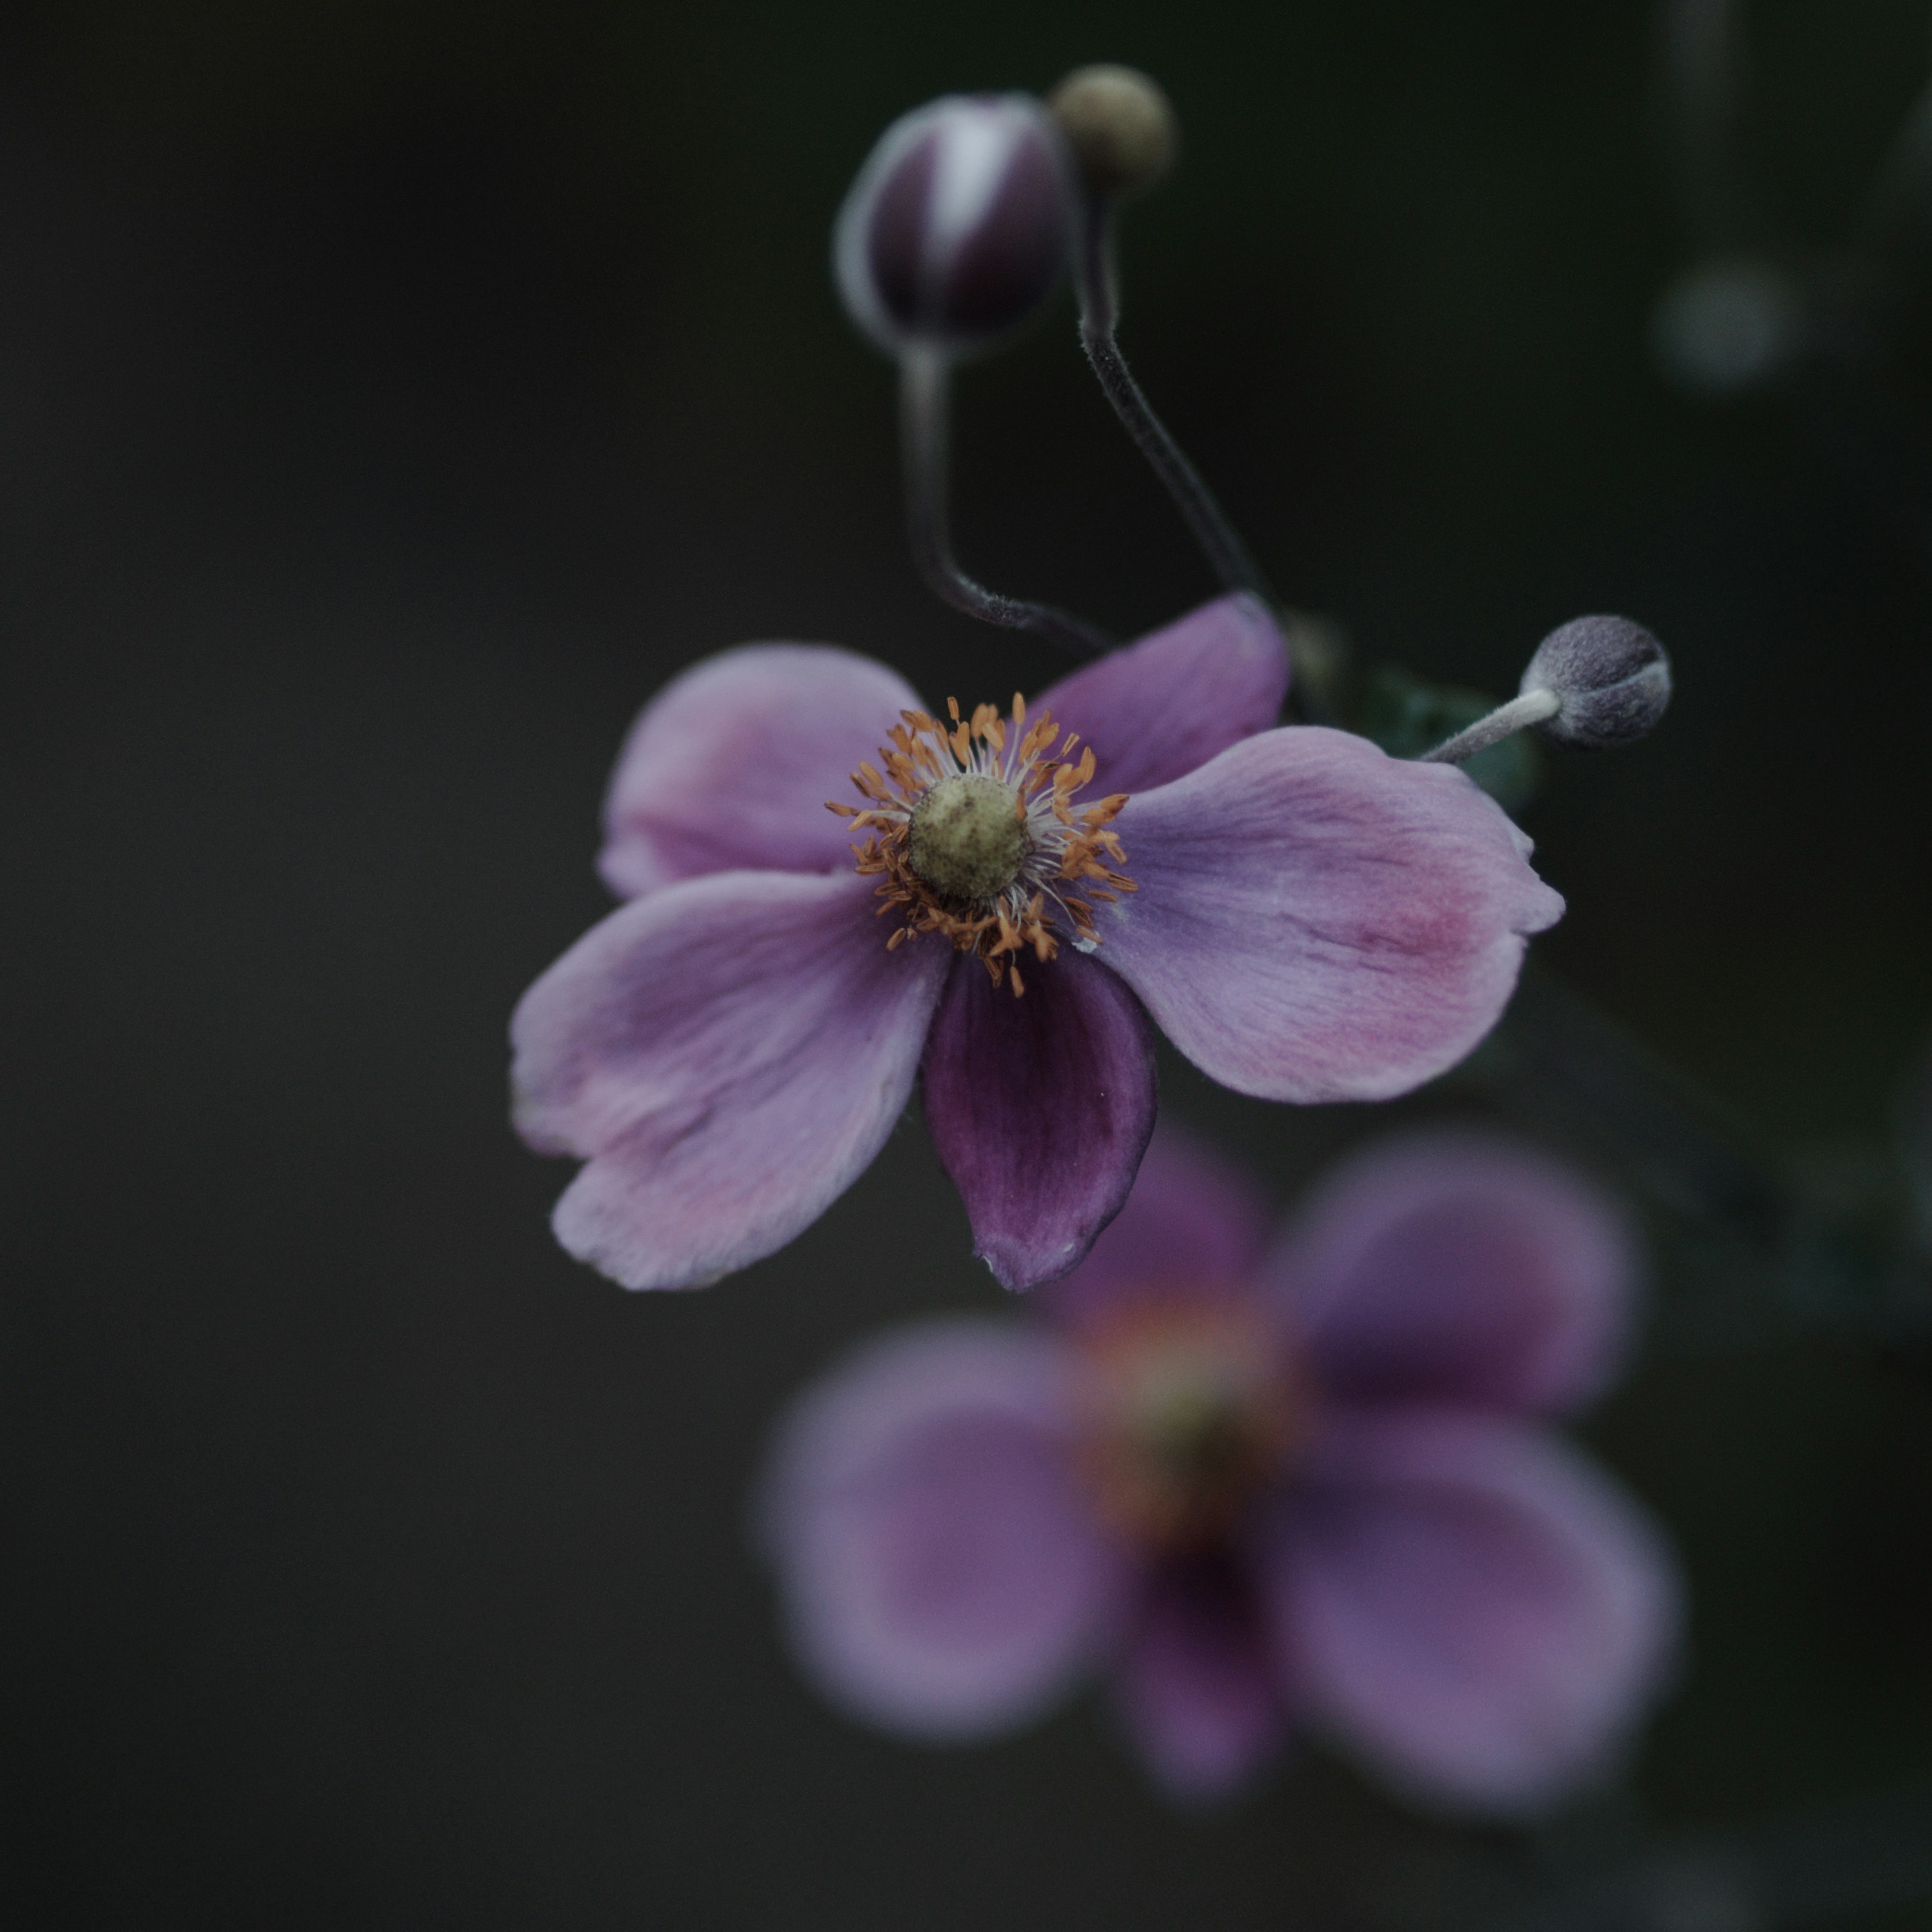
[(1311, 1486), (1305, 918)]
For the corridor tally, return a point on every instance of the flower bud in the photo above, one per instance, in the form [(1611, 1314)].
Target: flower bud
[(958, 225), (1119, 126), (1610, 677), (1728, 326)]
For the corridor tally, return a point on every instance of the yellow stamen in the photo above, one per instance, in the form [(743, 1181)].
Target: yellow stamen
[(1190, 1404), (988, 892)]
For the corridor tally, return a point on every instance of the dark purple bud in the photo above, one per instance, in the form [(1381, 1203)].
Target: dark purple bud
[(1609, 677), (958, 225)]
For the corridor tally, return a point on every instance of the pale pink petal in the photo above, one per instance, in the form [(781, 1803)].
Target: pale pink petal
[(1197, 1682), (1155, 710), (1463, 1267), (1476, 1611), (1318, 921), (728, 1055), (732, 764), (1194, 1221), (941, 1576), (1039, 1107)]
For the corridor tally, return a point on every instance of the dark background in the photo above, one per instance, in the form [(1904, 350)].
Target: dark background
[(391, 396)]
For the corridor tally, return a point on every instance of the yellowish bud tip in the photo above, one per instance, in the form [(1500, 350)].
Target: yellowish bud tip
[(1119, 126)]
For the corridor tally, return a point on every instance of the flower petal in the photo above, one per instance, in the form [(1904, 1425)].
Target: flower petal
[(1194, 1220), (1040, 1107), (732, 764), (1198, 1682), (1462, 1266), (729, 1055), (1474, 1608), (1318, 921), (941, 1577), (1158, 709)]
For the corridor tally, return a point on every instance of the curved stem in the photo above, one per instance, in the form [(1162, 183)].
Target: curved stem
[(1097, 290), (925, 379)]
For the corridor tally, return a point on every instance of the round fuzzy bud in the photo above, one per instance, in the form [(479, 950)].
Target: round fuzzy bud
[(958, 225), (1119, 126), (1609, 677)]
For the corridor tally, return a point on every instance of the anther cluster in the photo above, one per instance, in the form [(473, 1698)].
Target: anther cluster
[(976, 835), (1189, 1408)]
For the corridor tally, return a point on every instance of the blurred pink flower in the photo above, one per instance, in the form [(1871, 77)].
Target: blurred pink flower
[(1304, 917), (1311, 1486)]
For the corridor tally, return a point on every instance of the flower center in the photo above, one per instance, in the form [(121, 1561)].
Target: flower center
[(1190, 1406), (976, 835), (967, 838)]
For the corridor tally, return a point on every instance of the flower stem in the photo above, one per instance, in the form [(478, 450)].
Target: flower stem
[(1859, 1855), (1703, 86), (1505, 721), (1096, 288), (1762, 1248), (1896, 204), (925, 386)]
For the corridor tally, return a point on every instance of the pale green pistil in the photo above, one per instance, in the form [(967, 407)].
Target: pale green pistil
[(1196, 1433), (967, 839)]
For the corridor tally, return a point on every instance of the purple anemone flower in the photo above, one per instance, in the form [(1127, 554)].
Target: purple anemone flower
[(1262, 1487), (1305, 918)]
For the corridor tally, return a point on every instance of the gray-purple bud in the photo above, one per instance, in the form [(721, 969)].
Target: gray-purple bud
[(958, 226), (1610, 677)]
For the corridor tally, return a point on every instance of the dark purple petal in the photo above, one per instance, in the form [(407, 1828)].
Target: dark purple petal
[(1461, 1267), (1197, 1682), (1318, 921), (942, 1575), (1193, 1220), (1156, 710), (732, 765), (1475, 1610), (1040, 1107), (729, 1055)]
